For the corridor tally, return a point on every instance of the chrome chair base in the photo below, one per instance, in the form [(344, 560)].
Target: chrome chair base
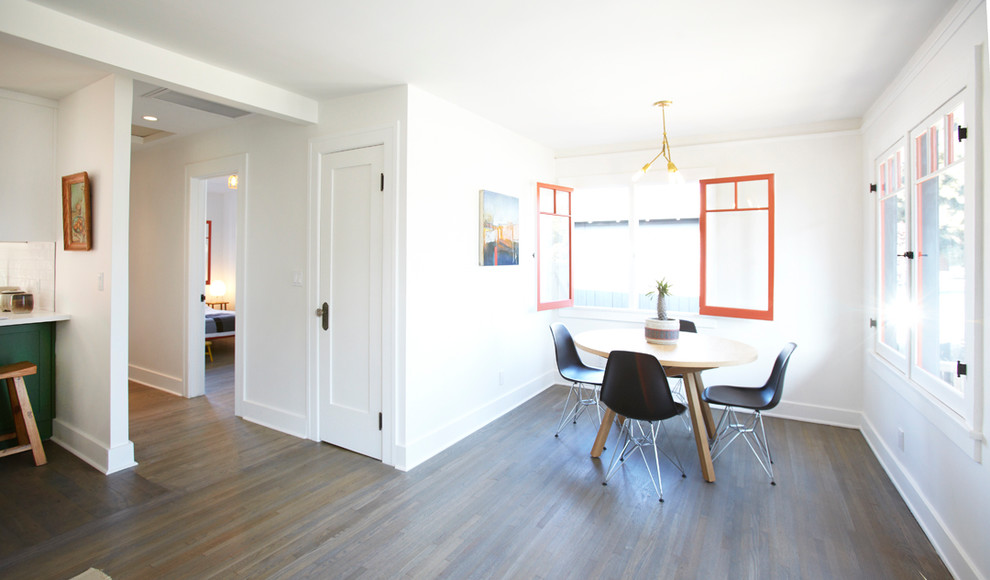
[(730, 427), (677, 387), (584, 396), (631, 441)]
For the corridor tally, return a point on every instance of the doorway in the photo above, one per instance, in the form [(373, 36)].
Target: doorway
[(204, 242), (221, 279), (351, 292), (353, 258)]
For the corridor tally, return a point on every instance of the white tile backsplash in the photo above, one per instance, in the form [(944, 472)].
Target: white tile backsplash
[(31, 267)]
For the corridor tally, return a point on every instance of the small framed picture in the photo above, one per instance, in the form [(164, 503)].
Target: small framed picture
[(77, 212)]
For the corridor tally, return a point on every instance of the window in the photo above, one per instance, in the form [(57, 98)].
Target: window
[(925, 292), (737, 247), (626, 236), (893, 316), (553, 260)]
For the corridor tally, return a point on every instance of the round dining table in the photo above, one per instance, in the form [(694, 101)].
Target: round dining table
[(688, 357)]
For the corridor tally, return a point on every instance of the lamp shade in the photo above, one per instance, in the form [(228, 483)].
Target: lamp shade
[(217, 288)]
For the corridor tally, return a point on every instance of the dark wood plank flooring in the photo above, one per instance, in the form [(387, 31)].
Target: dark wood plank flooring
[(216, 496)]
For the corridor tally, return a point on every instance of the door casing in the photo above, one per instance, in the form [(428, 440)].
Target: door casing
[(386, 136)]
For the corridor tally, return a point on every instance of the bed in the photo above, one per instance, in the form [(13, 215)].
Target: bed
[(219, 323)]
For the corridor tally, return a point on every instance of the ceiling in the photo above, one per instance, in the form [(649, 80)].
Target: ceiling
[(569, 74)]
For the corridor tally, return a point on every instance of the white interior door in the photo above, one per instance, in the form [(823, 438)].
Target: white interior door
[(350, 284)]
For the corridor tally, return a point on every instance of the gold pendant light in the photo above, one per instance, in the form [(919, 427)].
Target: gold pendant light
[(664, 146)]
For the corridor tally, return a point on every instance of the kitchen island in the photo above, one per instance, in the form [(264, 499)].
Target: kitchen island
[(30, 337)]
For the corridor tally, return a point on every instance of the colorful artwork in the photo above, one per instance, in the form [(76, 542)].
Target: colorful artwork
[(499, 229), (77, 228)]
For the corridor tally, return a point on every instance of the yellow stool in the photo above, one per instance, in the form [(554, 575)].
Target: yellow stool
[(209, 350), (26, 429)]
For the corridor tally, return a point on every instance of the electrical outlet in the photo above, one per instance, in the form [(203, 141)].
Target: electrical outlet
[(900, 439)]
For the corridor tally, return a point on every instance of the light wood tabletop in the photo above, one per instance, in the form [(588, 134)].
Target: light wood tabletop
[(691, 354)]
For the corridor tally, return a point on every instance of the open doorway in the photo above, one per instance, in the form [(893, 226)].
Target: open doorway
[(215, 306), (221, 281)]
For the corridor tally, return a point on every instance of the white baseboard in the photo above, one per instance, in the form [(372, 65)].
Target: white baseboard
[(277, 419), (958, 562), (155, 380), (416, 452), (105, 459), (817, 414)]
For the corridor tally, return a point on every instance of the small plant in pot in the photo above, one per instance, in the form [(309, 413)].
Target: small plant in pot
[(662, 330)]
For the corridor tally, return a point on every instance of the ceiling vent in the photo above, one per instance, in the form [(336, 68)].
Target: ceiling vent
[(177, 98)]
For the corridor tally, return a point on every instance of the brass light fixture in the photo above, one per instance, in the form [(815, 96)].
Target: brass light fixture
[(664, 146)]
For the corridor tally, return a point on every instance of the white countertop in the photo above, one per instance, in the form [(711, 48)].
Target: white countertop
[(11, 319)]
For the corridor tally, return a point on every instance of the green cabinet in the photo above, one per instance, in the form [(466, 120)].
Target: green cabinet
[(33, 342)]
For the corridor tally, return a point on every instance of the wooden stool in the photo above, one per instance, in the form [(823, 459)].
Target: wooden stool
[(26, 429), (209, 350)]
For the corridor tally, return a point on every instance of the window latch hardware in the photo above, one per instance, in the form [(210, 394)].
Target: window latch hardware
[(960, 368), (908, 254)]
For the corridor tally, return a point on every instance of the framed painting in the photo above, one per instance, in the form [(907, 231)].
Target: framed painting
[(499, 229), (77, 212)]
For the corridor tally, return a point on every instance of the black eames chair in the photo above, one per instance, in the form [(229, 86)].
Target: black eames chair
[(636, 388), (730, 427), (585, 380)]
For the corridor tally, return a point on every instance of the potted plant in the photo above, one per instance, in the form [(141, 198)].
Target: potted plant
[(662, 330)]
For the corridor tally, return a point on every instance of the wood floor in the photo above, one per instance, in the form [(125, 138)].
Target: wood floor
[(216, 496)]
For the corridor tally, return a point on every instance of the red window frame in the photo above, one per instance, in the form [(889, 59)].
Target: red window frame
[(554, 190), (709, 310)]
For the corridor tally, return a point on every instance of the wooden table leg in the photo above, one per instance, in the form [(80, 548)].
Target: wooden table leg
[(700, 421), (706, 409), (606, 426)]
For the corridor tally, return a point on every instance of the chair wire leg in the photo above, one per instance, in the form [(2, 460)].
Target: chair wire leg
[(765, 447), (753, 432), (565, 415), (585, 396), (620, 451), (658, 483), (681, 397), (675, 459)]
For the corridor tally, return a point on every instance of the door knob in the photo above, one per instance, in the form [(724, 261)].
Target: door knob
[(324, 313)]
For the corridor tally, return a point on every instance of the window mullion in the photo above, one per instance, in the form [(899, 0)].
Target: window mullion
[(633, 296)]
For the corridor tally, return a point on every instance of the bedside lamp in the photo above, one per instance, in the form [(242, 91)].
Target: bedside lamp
[(217, 288)]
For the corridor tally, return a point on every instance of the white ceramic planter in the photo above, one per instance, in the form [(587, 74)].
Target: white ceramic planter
[(662, 331)]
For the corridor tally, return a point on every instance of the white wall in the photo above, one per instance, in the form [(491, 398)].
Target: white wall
[(936, 472), (30, 193), (276, 320), (476, 347), (818, 265), (91, 349), (454, 154), (275, 193)]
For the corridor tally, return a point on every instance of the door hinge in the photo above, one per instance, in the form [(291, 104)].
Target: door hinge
[(873, 323), (379, 421), (962, 133), (873, 188), (383, 182), (960, 368)]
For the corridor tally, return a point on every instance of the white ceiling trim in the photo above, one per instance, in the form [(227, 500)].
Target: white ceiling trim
[(144, 61)]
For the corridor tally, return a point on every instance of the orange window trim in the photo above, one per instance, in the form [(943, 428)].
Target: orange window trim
[(540, 305), (704, 308)]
